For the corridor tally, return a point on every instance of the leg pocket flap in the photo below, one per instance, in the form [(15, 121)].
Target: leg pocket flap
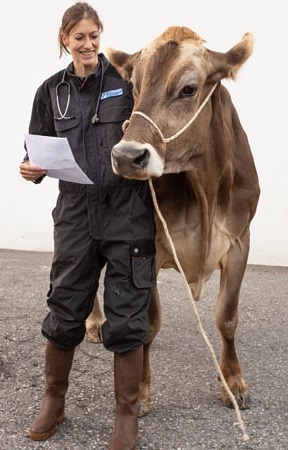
[(143, 263)]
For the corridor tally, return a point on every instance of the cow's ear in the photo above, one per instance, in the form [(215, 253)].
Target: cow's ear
[(123, 62), (227, 65), (239, 54)]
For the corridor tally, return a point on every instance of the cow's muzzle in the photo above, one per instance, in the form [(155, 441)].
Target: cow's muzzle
[(135, 160)]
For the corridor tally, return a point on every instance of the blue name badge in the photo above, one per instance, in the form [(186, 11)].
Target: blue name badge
[(112, 93)]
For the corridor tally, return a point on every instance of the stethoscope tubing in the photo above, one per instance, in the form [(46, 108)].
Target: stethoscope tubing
[(62, 116)]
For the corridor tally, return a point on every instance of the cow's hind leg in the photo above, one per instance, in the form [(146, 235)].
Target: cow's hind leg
[(226, 318), (154, 320), (94, 323)]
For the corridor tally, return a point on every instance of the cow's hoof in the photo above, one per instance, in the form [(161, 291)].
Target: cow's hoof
[(143, 408), (242, 402)]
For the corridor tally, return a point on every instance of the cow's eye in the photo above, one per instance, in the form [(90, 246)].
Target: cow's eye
[(188, 91)]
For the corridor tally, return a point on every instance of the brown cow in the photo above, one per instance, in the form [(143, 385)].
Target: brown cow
[(203, 173)]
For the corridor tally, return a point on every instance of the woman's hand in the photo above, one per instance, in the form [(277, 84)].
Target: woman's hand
[(31, 173)]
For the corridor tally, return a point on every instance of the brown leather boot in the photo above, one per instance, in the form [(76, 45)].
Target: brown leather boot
[(58, 364), (127, 378)]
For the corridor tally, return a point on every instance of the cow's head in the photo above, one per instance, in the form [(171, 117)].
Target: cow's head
[(172, 77)]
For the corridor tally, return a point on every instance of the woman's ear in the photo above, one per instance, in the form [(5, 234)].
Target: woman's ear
[(64, 40)]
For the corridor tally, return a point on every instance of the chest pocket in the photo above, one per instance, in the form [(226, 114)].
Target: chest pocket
[(114, 114), (62, 125), (111, 119), (65, 111)]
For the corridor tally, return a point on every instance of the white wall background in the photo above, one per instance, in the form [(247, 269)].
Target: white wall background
[(29, 55)]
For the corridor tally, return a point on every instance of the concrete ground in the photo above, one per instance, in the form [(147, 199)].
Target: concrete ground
[(187, 412)]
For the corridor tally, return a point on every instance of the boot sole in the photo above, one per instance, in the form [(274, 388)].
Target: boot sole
[(46, 434)]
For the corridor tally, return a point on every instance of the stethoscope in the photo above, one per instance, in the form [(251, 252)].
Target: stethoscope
[(63, 82)]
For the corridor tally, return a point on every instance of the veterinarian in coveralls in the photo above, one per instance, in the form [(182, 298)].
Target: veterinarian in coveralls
[(109, 223)]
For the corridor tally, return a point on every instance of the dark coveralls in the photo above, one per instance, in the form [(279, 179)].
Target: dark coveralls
[(108, 223)]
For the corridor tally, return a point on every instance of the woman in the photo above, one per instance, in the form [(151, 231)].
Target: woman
[(109, 223)]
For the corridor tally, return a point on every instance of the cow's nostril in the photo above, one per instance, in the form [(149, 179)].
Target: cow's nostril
[(143, 159)]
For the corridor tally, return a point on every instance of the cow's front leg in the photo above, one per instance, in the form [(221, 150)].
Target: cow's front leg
[(154, 320), (94, 323), (226, 319)]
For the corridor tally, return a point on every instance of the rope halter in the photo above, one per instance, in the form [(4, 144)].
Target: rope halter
[(184, 128)]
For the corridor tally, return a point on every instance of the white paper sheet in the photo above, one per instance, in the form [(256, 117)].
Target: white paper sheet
[(54, 155)]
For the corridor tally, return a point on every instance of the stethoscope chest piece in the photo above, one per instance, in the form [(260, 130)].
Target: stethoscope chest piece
[(95, 119)]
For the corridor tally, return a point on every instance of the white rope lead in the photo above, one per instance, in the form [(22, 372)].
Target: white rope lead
[(197, 317), (184, 128)]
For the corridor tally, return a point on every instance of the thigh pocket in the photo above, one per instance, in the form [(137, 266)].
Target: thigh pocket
[(143, 263)]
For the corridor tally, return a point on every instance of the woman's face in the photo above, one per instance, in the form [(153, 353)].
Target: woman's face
[(83, 42)]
